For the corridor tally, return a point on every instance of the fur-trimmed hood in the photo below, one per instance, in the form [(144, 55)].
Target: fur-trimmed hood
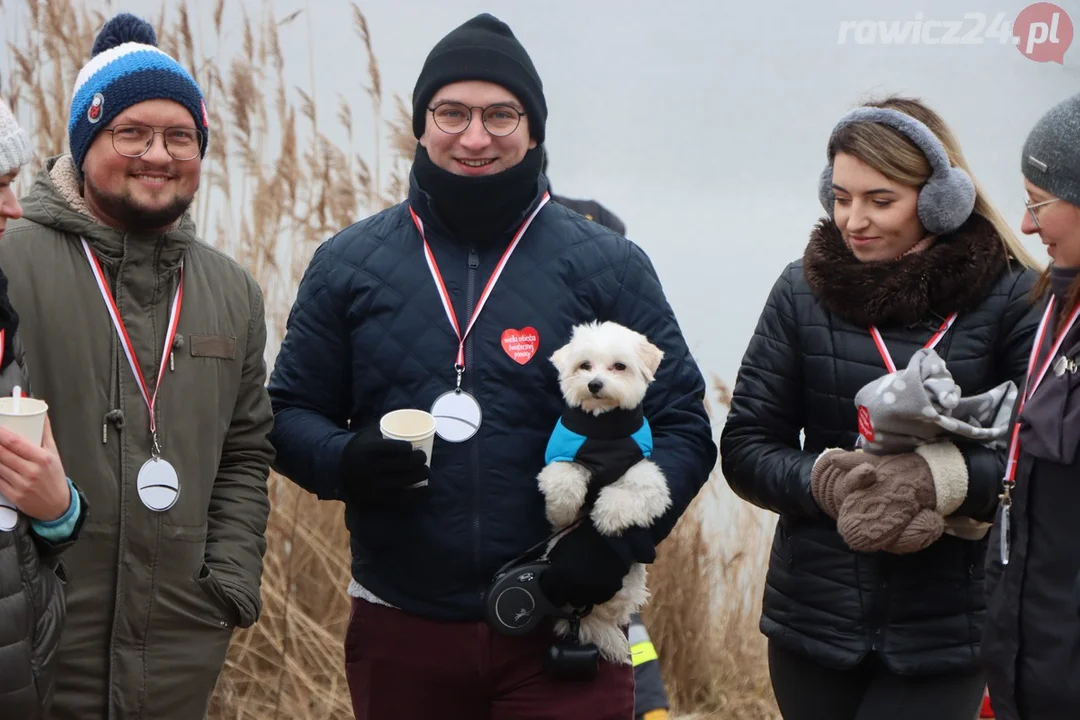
[(952, 275)]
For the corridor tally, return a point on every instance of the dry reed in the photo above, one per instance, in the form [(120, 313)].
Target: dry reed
[(274, 187), (706, 590)]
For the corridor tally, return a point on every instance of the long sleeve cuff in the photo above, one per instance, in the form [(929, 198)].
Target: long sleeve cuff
[(61, 528)]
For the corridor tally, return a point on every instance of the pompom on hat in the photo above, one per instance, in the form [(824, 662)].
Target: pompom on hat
[(126, 68)]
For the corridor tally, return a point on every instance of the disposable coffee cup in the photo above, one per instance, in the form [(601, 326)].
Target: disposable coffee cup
[(413, 426), (24, 417)]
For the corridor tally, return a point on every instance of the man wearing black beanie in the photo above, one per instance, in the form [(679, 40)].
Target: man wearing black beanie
[(450, 303)]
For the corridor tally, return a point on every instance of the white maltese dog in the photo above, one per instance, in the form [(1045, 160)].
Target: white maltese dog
[(599, 453)]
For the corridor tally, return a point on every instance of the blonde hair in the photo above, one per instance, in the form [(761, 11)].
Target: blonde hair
[(896, 157)]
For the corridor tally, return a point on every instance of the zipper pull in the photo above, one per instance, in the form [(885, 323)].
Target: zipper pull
[(172, 365), (474, 259)]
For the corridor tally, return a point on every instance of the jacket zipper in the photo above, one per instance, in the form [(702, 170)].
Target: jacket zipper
[(470, 387)]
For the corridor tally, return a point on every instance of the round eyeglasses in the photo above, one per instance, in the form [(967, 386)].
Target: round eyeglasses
[(453, 118), (134, 141), (1031, 209)]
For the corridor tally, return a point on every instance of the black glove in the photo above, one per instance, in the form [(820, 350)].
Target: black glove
[(380, 471), (588, 568)]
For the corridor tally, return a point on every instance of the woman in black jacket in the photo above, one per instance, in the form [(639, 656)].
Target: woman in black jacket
[(1031, 646), (911, 256), (48, 511)]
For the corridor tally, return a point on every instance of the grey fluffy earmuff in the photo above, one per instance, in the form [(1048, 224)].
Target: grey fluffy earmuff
[(947, 199)]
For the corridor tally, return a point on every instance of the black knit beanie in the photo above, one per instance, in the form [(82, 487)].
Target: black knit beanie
[(484, 48)]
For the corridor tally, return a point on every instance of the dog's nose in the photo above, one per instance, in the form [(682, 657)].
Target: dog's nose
[(595, 386)]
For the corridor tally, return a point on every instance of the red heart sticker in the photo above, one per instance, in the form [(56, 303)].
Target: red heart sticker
[(866, 428), (522, 344)]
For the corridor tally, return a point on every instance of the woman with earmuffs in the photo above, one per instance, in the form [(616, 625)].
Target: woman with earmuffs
[(873, 603), (1031, 646)]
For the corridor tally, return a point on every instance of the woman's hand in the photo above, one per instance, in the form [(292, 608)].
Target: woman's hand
[(33, 477), (838, 473), (896, 512)]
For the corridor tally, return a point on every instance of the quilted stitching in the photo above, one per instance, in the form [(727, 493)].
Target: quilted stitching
[(800, 373), (371, 285)]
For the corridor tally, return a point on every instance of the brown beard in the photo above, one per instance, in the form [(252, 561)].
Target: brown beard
[(121, 208), (952, 275)]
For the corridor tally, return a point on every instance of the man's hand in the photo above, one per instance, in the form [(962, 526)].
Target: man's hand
[(588, 568), (33, 477), (380, 471)]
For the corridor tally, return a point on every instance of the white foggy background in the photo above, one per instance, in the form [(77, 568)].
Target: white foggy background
[(701, 124)]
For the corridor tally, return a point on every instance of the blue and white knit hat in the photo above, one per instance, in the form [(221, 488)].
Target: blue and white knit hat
[(127, 68)]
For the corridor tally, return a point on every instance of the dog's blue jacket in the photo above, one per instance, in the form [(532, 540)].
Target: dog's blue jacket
[(607, 445), (368, 334)]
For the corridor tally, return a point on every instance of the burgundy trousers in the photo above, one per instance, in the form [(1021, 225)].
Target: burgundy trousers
[(403, 667)]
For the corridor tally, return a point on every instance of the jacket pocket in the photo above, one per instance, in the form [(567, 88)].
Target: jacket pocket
[(215, 591), (1076, 593), (222, 347), (784, 548), (187, 638)]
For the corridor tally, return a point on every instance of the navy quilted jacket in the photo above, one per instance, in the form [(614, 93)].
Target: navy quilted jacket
[(368, 334)]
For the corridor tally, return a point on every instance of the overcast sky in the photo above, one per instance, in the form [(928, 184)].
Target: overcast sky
[(702, 124)]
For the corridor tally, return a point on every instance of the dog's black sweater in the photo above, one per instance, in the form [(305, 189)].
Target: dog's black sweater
[(607, 445)]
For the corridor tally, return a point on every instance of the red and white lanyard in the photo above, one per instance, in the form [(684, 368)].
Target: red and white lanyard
[(1034, 379), (125, 340), (930, 344), (444, 295)]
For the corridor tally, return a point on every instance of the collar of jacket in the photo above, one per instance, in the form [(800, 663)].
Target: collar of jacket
[(55, 201), (611, 425), (952, 275), (421, 202)]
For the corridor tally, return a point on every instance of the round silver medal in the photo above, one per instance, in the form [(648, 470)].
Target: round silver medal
[(9, 516), (457, 416), (158, 484), (1061, 365)]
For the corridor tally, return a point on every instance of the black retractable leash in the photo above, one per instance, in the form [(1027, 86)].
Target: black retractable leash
[(516, 605)]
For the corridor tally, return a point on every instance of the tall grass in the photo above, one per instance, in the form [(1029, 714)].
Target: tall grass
[(274, 187), (706, 599)]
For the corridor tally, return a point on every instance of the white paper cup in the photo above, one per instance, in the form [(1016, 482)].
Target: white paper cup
[(29, 423), (413, 426)]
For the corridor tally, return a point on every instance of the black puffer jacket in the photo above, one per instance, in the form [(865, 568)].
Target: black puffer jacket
[(810, 355), (32, 605)]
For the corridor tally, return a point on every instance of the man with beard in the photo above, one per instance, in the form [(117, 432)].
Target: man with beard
[(452, 302), (148, 346)]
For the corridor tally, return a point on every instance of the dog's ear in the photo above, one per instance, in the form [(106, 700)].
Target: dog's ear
[(650, 357), (560, 357)]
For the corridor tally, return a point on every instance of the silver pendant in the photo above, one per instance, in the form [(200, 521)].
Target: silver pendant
[(1061, 365), (159, 485), (1004, 530), (457, 416), (9, 514)]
